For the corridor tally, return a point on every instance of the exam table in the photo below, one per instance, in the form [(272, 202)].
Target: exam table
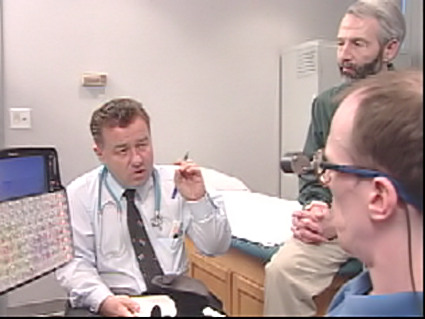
[(237, 277)]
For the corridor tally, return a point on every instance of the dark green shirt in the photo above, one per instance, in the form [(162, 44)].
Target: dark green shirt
[(322, 112)]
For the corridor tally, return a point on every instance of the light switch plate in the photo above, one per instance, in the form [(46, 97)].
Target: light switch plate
[(20, 118)]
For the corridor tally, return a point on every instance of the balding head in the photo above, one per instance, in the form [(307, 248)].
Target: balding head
[(380, 121)]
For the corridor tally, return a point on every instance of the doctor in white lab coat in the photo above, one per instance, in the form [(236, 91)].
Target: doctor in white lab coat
[(105, 271)]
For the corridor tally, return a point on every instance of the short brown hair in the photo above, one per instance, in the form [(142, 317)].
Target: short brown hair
[(388, 126), (118, 112)]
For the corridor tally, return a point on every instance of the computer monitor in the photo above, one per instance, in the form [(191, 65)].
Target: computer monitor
[(35, 229)]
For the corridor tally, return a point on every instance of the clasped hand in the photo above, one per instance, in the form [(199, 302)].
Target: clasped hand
[(313, 225)]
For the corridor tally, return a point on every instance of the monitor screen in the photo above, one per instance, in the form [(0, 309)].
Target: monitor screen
[(35, 228), (22, 176)]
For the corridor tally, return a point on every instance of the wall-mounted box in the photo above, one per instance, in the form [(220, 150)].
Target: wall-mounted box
[(96, 79)]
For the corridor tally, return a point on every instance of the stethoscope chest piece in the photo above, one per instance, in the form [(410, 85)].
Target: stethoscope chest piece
[(157, 220)]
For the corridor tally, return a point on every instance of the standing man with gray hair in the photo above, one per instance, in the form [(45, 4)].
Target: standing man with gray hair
[(369, 38)]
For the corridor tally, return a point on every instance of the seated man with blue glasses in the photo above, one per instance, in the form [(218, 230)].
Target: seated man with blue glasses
[(373, 165), (321, 165)]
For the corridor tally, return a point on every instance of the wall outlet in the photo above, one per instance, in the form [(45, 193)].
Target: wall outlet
[(20, 118)]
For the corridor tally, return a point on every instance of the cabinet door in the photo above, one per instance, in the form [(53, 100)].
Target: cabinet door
[(214, 276), (247, 297), (307, 69)]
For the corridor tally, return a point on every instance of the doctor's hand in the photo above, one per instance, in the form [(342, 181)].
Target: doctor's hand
[(119, 306), (189, 181), (313, 225)]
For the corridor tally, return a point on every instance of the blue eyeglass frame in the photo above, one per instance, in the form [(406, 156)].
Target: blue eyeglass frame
[(370, 173)]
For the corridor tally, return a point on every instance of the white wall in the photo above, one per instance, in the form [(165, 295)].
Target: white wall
[(414, 38), (206, 70)]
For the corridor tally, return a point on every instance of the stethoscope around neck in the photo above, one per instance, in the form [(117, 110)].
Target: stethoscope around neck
[(156, 220)]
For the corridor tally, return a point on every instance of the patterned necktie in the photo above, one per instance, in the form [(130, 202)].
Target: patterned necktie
[(145, 254)]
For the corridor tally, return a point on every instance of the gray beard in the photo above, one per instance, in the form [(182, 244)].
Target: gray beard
[(361, 72)]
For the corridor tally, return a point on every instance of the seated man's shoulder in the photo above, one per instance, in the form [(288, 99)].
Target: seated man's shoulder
[(85, 180)]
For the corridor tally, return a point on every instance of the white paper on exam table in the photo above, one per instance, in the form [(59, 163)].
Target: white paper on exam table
[(252, 216), (164, 302), (259, 218)]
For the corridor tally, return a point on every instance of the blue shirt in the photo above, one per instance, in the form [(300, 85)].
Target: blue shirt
[(352, 300)]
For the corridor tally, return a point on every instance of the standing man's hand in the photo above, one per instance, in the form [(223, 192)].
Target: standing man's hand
[(119, 306), (313, 224)]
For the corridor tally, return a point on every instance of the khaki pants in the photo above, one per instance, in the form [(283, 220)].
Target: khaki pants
[(296, 273)]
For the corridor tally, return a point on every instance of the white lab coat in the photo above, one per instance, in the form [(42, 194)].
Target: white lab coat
[(104, 256)]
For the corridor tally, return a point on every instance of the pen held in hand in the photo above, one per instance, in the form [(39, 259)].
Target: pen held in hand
[(185, 158)]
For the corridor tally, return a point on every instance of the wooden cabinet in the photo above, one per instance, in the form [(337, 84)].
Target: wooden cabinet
[(247, 296), (238, 280), (215, 276)]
